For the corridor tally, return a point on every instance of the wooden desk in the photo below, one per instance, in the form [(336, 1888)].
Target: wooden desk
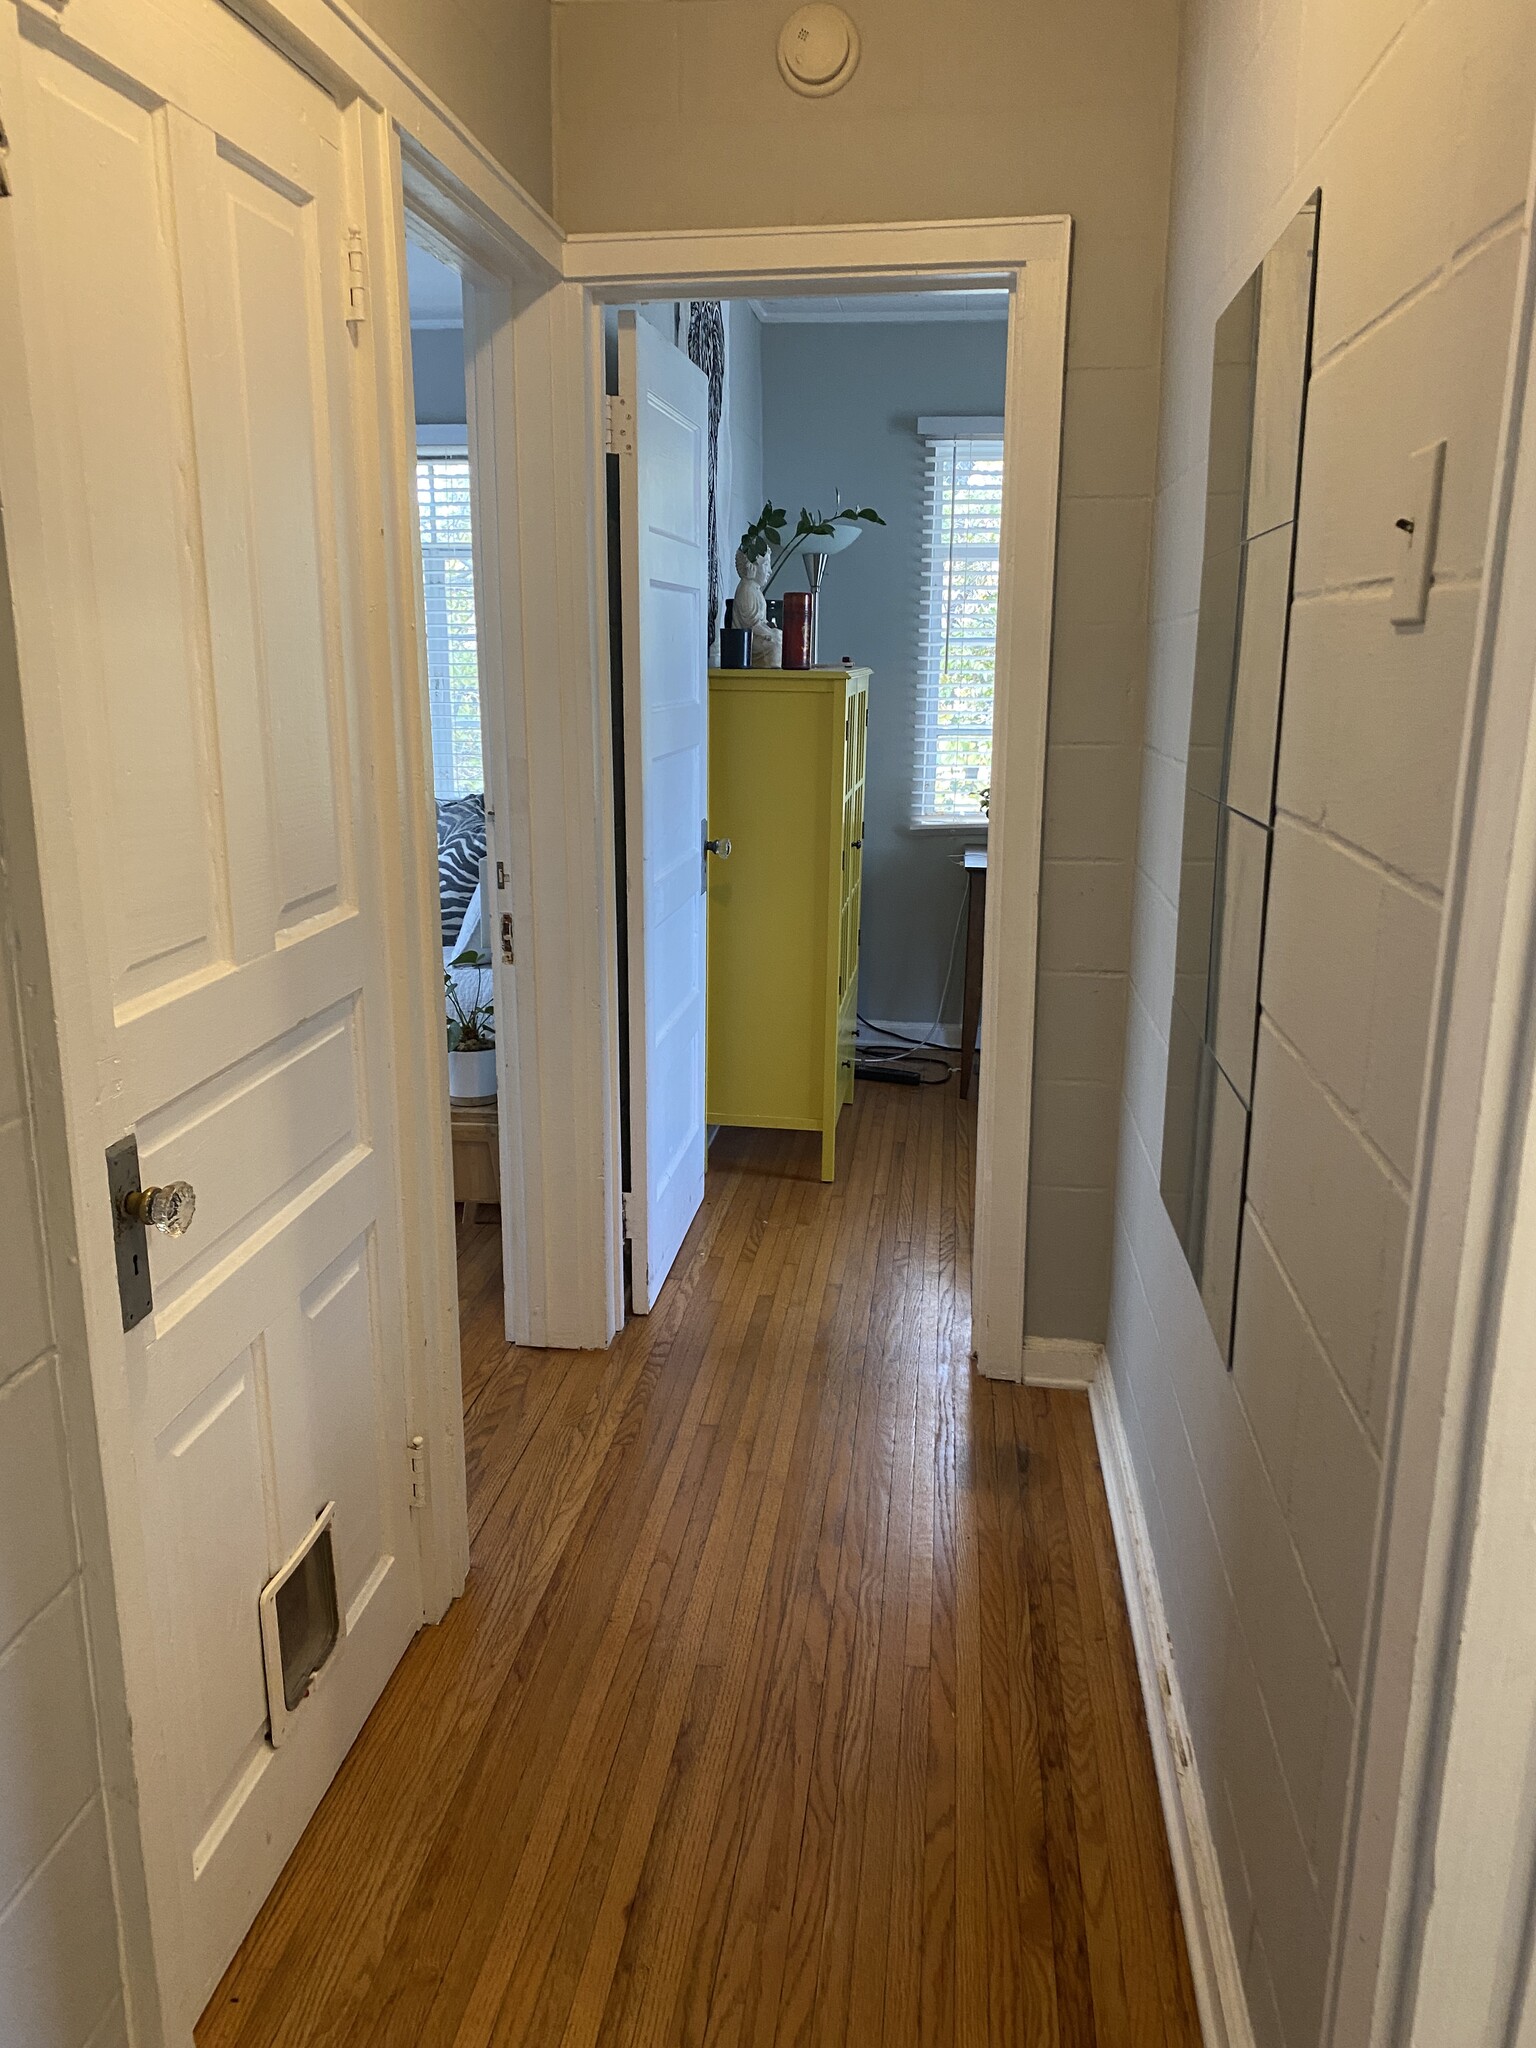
[(975, 858), (476, 1156)]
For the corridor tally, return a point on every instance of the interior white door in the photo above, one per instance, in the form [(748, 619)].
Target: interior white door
[(664, 551), (181, 247)]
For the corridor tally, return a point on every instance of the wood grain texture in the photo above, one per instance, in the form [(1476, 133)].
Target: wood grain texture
[(792, 1698)]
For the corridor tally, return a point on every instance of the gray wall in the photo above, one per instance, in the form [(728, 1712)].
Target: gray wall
[(437, 366), (1023, 110), (840, 411), (1261, 1486), (59, 1974)]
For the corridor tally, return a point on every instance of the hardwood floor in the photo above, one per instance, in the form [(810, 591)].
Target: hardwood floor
[(791, 1699)]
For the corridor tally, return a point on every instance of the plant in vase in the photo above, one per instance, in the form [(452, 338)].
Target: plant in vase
[(764, 552), (471, 1028), (764, 538)]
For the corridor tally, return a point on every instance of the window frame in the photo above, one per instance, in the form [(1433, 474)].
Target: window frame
[(933, 431), (448, 443)]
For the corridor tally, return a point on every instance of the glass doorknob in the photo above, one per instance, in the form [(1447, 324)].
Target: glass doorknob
[(169, 1209), (720, 848)]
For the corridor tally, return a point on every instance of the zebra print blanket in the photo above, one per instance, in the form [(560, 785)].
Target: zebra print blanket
[(460, 850)]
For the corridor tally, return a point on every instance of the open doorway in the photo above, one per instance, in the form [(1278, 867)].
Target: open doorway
[(824, 711)]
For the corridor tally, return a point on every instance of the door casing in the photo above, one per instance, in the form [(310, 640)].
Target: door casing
[(1030, 258)]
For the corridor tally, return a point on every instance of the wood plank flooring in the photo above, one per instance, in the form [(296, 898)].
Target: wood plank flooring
[(791, 1699)]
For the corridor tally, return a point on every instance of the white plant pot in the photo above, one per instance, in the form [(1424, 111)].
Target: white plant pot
[(472, 1075)]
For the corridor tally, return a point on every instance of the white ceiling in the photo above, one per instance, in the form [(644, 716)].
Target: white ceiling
[(436, 291), (887, 306)]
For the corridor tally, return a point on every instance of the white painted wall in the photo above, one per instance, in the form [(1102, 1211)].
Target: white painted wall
[(60, 1983), (1260, 1488)]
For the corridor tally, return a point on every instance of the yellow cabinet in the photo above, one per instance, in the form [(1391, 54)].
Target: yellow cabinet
[(786, 787)]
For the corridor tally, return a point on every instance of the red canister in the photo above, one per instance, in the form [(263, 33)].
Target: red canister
[(799, 629)]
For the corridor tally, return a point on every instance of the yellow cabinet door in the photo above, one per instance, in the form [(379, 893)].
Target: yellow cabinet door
[(786, 788)]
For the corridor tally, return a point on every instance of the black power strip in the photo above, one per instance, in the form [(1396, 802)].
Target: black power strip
[(886, 1070)]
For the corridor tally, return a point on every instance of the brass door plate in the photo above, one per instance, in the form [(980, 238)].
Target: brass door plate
[(132, 1246)]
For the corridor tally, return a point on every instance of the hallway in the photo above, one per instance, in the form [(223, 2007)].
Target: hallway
[(792, 1695)]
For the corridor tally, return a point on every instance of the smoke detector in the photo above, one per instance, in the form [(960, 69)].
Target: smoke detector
[(818, 50)]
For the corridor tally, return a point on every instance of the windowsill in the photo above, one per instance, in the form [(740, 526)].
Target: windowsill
[(955, 828)]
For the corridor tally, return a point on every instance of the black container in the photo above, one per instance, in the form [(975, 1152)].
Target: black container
[(735, 647)]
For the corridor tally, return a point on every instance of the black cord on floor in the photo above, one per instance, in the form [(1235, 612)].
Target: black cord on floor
[(899, 1056)]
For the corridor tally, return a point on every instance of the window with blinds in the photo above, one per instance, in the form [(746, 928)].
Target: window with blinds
[(958, 650), (448, 579)]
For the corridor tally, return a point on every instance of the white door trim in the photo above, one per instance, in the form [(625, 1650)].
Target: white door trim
[(1031, 258), (1463, 1358), (331, 40), (403, 790)]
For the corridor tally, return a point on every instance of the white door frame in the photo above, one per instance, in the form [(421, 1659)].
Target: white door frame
[(1031, 258)]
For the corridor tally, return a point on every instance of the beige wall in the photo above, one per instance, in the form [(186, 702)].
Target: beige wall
[(489, 62), (1414, 117), (671, 113)]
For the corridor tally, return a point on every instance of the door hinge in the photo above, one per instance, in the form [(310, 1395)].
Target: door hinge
[(506, 937), (416, 1452), (626, 1211), (501, 874), (619, 438), (357, 278)]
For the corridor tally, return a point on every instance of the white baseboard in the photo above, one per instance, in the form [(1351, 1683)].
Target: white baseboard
[(1223, 2006), (1068, 1362), (1062, 1362)]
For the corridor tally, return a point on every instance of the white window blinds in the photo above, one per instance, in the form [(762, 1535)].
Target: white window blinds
[(957, 654), (448, 578)]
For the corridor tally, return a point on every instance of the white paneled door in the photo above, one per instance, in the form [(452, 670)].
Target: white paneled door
[(664, 528), (181, 241)]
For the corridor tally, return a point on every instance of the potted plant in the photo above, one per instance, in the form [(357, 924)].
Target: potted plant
[(471, 1028), (765, 536)]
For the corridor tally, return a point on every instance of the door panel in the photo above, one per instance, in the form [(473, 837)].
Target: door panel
[(209, 1477), (275, 263), (665, 562), (321, 1388), (192, 382), (146, 728)]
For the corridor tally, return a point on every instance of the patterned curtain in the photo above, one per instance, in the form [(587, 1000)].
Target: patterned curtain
[(706, 347)]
